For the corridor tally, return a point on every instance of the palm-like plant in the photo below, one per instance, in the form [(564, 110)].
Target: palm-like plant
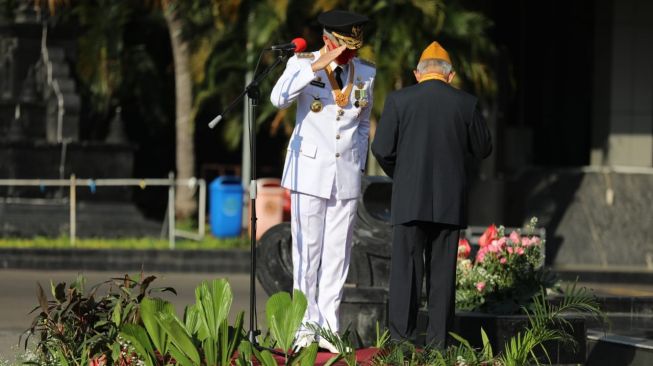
[(194, 28), (547, 323), (101, 50), (203, 337)]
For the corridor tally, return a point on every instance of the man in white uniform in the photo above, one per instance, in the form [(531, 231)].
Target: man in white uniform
[(325, 161)]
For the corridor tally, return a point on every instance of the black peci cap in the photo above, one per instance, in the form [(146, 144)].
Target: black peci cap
[(344, 25)]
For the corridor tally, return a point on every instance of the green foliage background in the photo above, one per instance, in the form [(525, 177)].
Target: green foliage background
[(117, 63)]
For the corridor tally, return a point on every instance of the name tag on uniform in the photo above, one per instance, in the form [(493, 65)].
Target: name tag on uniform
[(318, 83)]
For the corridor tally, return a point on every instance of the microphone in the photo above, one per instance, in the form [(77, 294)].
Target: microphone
[(215, 121), (296, 45)]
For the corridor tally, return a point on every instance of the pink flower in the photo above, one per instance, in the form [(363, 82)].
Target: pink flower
[(510, 250), (520, 251), (464, 248), (480, 255), (480, 286), (526, 242), (514, 237), (503, 260), (494, 247), (502, 242), (489, 235), (536, 240)]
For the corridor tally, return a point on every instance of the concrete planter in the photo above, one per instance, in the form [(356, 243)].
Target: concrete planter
[(500, 328)]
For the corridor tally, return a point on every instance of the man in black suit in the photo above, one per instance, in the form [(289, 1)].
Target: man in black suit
[(426, 134)]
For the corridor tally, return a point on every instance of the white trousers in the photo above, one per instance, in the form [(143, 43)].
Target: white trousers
[(321, 235)]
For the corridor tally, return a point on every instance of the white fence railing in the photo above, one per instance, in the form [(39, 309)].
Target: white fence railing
[(73, 183)]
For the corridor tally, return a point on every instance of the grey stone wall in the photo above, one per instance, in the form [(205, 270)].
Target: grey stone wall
[(587, 224)]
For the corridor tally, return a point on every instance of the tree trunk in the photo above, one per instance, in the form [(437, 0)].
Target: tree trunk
[(185, 155)]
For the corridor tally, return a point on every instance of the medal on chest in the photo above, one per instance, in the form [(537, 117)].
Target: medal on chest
[(341, 96), (360, 94), (316, 105)]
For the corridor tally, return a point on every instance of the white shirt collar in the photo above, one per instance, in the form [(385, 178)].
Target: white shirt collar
[(345, 67)]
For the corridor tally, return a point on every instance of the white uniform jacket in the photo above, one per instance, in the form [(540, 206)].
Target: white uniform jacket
[(330, 144)]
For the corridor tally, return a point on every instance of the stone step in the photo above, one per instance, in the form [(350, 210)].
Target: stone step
[(608, 349), (95, 219), (217, 261)]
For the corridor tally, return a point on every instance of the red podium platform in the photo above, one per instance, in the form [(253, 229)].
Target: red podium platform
[(363, 357)]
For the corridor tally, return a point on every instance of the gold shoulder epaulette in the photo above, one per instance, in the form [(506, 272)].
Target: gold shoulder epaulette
[(367, 62), (308, 55)]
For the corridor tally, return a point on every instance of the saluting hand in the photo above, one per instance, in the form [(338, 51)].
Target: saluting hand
[(327, 58)]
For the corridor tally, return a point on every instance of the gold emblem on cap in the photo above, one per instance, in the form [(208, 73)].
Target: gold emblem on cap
[(355, 41)]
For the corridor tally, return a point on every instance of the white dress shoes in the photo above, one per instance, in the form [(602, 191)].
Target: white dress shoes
[(304, 341), (323, 343)]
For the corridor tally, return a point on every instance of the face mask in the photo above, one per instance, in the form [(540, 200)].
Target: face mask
[(346, 56)]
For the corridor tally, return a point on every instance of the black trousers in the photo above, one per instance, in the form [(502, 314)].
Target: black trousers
[(418, 249)]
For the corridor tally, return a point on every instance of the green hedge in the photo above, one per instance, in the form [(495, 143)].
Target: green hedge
[(209, 242)]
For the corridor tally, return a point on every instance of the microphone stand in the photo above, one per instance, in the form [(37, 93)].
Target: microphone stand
[(253, 93)]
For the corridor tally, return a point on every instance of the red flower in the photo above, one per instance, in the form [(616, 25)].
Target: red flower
[(463, 248), (490, 234)]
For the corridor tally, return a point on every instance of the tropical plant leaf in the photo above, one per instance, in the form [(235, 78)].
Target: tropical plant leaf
[(333, 360), (140, 340), (487, 346), (265, 357), (43, 300), (230, 338), (116, 314), (182, 347), (213, 301), (191, 319), (245, 354), (284, 316), (151, 308), (307, 355)]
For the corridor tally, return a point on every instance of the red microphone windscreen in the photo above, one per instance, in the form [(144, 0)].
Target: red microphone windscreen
[(300, 44)]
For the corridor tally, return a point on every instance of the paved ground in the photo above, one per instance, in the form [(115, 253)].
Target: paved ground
[(18, 297)]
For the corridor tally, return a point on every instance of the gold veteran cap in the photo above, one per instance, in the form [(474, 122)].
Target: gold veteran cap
[(434, 50), (344, 25)]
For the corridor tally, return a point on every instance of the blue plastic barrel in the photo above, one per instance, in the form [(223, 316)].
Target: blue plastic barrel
[(226, 206)]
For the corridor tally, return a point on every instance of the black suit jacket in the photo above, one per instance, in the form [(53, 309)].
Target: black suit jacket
[(426, 134)]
